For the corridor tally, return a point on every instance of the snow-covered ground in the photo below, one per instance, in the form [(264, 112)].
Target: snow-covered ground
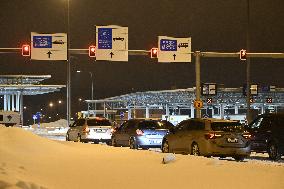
[(29, 161)]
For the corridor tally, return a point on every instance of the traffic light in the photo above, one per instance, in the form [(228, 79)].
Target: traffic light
[(26, 50), (269, 100), (243, 54), (92, 51), (154, 53)]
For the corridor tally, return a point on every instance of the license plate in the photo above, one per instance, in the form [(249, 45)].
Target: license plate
[(232, 140), (100, 130), (155, 141)]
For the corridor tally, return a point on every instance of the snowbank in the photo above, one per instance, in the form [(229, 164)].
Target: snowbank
[(28, 161)]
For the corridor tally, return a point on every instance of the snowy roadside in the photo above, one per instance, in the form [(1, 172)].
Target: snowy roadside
[(33, 162)]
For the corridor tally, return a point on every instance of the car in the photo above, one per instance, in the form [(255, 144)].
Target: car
[(268, 134), (141, 133), (208, 137), (91, 129)]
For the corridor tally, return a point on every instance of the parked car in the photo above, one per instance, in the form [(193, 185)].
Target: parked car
[(92, 129), (268, 134), (208, 137), (137, 133)]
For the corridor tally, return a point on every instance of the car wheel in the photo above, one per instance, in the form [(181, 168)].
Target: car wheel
[(195, 149), (79, 138), (239, 158), (165, 147), (273, 152), (67, 137), (113, 142), (132, 144)]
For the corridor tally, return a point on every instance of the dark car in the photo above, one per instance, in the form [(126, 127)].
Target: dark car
[(143, 133), (208, 137), (268, 134)]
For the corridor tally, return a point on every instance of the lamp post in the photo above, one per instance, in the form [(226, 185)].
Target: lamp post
[(248, 114), (92, 83), (68, 98)]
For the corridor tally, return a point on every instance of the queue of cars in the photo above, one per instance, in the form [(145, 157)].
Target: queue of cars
[(203, 136)]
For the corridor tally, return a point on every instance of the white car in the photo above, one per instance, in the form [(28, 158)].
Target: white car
[(91, 129)]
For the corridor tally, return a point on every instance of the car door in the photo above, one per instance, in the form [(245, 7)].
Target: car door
[(74, 129), (176, 144), (125, 132), (261, 131), (190, 134), (278, 132), (119, 133)]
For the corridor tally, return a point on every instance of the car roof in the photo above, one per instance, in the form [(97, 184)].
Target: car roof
[(281, 114), (216, 120), (97, 118)]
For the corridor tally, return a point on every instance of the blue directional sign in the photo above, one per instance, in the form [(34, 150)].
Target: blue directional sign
[(104, 38), (168, 45), (42, 41)]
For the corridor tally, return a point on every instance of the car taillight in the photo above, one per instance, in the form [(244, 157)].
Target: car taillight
[(86, 129), (212, 135), (247, 136), (139, 132)]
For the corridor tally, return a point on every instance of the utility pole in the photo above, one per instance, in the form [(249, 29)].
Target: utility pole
[(68, 98), (248, 115), (197, 81)]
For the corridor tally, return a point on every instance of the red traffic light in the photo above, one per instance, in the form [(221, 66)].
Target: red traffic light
[(92, 51), (243, 54), (154, 53), (26, 50)]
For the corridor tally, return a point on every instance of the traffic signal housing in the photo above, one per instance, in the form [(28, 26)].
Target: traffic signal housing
[(154, 53), (26, 50), (92, 51), (243, 54)]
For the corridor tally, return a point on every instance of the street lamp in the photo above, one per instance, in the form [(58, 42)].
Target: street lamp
[(68, 96), (248, 114), (92, 83)]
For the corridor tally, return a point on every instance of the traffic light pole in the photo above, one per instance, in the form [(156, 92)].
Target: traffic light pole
[(197, 81), (248, 93)]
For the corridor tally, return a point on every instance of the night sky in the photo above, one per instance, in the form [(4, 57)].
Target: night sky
[(218, 25)]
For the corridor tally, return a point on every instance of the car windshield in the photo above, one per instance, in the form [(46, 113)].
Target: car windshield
[(155, 125), (96, 122), (227, 126)]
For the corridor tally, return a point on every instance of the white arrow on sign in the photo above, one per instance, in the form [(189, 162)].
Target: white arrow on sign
[(48, 46)]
